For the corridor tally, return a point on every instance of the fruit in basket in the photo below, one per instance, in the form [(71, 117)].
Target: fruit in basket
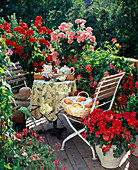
[(81, 99), (89, 105), (68, 101), (77, 105)]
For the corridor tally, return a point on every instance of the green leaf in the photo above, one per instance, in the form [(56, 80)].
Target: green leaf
[(7, 166), (26, 112)]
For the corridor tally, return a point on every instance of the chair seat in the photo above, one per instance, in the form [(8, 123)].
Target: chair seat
[(70, 116)]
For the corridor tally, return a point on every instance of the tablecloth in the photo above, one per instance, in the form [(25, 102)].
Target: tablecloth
[(48, 96)]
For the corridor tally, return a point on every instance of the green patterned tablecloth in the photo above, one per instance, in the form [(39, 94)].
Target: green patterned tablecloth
[(48, 96)]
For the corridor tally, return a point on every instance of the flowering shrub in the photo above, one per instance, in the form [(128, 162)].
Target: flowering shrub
[(132, 104), (28, 45), (68, 41), (109, 128), (93, 66), (32, 152)]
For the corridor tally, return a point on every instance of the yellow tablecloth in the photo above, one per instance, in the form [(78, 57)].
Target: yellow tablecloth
[(48, 96)]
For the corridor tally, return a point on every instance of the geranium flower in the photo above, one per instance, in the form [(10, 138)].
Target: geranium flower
[(109, 128), (35, 65), (136, 84), (114, 40), (78, 77), (89, 67), (42, 30)]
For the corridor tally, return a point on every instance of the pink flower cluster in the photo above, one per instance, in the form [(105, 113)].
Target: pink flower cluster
[(66, 38), (81, 35), (34, 157)]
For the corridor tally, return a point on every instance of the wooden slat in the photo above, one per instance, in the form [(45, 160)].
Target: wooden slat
[(16, 76), (16, 80), (110, 81), (15, 72), (107, 90), (105, 96), (107, 86), (14, 68)]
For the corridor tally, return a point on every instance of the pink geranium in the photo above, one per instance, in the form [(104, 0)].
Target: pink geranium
[(54, 56), (61, 35), (83, 21), (67, 40), (77, 21), (89, 29), (91, 48)]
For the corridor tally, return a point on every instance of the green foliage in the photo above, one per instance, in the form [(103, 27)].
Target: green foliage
[(6, 144), (52, 11), (132, 104), (111, 19), (16, 154), (32, 151), (102, 61)]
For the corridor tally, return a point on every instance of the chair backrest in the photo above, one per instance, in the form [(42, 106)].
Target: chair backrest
[(107, 87), (15, 76)]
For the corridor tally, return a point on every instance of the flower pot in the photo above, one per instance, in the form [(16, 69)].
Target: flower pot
[(136, 150), (109, 161)]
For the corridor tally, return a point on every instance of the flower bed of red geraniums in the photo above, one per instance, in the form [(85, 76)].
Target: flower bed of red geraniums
[(109, 128)]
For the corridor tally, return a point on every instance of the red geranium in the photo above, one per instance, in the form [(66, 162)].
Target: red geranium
[(89, 67), (42, 30), (109, 128)]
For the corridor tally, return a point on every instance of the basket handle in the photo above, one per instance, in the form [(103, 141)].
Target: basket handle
[(83, 92), (78, 103)]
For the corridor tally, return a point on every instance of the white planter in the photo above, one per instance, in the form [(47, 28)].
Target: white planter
[(108, 161), (136, 150)]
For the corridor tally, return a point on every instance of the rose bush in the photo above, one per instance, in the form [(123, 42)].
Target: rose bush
[(69, 40), (92, 66), (28, 44), (109, 128)]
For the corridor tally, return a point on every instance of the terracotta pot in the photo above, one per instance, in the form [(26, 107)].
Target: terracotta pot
[(136, 150), (18, 116), (108, 161)]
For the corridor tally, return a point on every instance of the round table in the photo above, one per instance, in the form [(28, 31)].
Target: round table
[(47, 96)]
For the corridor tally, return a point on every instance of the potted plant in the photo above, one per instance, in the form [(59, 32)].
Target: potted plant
[(112, 134), (19, 117)]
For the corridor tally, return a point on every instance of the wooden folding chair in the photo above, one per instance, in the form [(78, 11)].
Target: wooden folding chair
[(105, 95), (16, 79)]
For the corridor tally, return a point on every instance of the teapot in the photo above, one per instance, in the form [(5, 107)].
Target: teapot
[(65, 70), (47, 68)]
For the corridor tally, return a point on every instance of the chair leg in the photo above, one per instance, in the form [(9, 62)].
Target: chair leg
[(75, 134), (69, 137)]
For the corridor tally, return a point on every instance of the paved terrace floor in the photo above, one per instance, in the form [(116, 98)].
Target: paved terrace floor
[(77, 154)]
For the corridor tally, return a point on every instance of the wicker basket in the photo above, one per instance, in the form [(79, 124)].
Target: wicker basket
[(77, 112), (38, 77)]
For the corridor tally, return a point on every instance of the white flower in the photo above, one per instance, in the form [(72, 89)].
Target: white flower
[(25, 154)]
